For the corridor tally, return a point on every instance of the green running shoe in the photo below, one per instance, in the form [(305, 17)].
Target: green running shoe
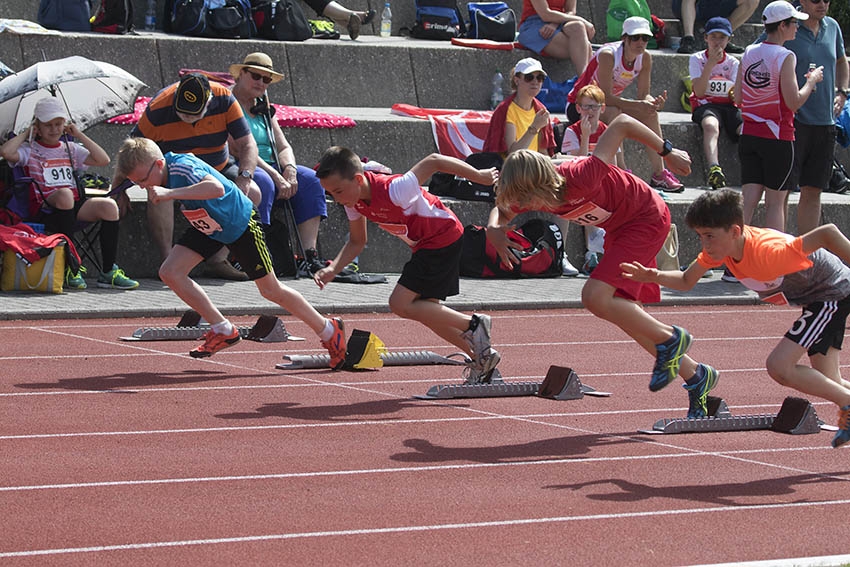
[(75, 281), (116, 279)]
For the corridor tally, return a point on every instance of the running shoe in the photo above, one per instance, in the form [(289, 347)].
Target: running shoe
[(214, 342), (687, 45), (480, 371), (116, 279), (698, 393), (716, 179), (668, 358), (728, 276), (734, 49), (479, 338), (666, 181), (591, 260), (843, 435), (336, 345), (75, 281), (568, 269)]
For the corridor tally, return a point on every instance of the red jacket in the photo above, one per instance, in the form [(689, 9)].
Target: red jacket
[(31, 246), (495, 141)]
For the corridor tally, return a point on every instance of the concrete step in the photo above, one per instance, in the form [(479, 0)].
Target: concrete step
[(743, 36)]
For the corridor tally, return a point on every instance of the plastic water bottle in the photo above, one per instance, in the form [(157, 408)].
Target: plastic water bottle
[(496, 97), (150, 16), (386, 21), (812, 67)]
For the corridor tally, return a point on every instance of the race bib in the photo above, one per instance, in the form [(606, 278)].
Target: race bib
[(587, 214), (202, 221), (57, 173), (399, 230), (719, 87)]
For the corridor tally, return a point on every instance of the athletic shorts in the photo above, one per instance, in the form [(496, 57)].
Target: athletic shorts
[(729, 117), (249, 249), (434, 273), (821, 326), (707, 9), (767, 162), (814, 148), (636, 241), (529, 34)]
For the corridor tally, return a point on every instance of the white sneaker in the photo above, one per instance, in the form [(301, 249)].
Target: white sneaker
[(479, 339), (568, 269), (481, 371), (596, 240)]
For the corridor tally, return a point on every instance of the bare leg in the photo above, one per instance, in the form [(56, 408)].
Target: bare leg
[(782, 367), (161, 226), (710, 134), (445, 322), (742, 12), (808, 209), (309, 232), (752, 193), (174, 272), (774, 209), (291, 300), (571, 43), (689, 15)]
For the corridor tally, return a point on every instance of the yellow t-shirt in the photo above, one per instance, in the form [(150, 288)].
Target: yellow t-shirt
[(522, 119)]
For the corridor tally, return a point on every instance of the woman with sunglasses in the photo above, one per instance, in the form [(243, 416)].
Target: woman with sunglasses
[(294, 182), (614, 67), (552, 28), (521, 122)]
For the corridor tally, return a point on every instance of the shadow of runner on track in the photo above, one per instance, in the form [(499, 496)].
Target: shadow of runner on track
[(129, 381), (372, 409), (726, 494)]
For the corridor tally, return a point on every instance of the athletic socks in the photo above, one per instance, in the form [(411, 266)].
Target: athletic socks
[(223, 328), (327, 332), (697, 377)]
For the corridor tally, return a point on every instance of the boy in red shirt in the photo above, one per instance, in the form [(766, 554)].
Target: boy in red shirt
[(806, 270), (590, 191), (400, 205)]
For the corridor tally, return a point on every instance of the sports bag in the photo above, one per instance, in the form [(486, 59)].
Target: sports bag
[(188, 17), (540, 257), (448, 185), (45, 275), (113, 16), (620, 10), (67, 15), (229, 19), (438, 19), (495, 21), (553, 94), (281, 20)]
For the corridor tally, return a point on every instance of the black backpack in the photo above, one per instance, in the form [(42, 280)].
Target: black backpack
[(186, 17), (541, 256), (839, 181), (231, 21), (438, 19), (67, 15), (282, 20), (113, 16), (448, 185)]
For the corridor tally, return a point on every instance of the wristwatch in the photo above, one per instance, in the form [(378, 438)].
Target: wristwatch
[(666, 149), (246, 173)]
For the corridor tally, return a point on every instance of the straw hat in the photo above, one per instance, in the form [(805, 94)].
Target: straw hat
[(259, 62)]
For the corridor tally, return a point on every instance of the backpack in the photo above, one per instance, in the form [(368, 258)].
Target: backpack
[(448, 185), (620, 10), (229, 19), (113, 16), (541, 256), (187, 17), (438, 19), (66, 15), (553, 94), (495, 21), (839, 181), (281, 20)]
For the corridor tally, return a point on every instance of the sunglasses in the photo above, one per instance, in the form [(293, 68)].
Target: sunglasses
[(644, 38), (533, 77), (258, 77)]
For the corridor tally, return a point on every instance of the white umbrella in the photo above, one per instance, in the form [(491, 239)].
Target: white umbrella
[(92, 91)]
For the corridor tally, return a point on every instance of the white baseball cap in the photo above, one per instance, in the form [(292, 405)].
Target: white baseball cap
[(636, 25), (780, 10), (49, 108), (528, 65)]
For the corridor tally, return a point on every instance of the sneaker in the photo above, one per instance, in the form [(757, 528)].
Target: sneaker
[(734, 49), (116, 279), (687, 45), (843, 435), (728, 276), (698, 393), (716, 179), (311, 263), (568, 269), (479, 338), (591, 260), (214, 342), (668, 358), (480, 371), (667, 182), (336, 344), (75, 281)]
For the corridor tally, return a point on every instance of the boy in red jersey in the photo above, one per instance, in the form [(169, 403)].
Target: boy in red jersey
[(590, 191), (403, 208)]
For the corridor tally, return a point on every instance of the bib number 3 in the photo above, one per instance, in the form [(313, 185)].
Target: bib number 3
[(202, 221)]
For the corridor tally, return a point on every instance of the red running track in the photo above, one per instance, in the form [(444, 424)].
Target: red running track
[(133, 453)]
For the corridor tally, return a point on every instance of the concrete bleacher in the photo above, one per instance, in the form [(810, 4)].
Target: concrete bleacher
[(363, 79)]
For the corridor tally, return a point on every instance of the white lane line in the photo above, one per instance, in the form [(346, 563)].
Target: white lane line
[(422, 528), (822, 561), (404, 470)]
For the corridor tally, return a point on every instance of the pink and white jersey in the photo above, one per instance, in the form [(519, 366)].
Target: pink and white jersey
[(402, 207), (721, 79), (623, 76), (763, 109), (51, 167)]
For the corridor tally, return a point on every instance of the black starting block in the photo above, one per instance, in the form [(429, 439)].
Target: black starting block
[(797, 416), (267, 329), (561, 383)]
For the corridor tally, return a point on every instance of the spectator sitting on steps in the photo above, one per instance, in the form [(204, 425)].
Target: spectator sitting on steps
[(551, 28), (691, 11)]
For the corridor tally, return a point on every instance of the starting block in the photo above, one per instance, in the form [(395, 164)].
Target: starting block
[(267, 329), (797, 416), (560, 384)]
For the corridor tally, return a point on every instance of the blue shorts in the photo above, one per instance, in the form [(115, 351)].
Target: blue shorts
[(529, 34), (308, 202)]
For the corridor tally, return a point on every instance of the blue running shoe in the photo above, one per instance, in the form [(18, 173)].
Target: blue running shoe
[(668, 358), (698, 393), (843, 435)]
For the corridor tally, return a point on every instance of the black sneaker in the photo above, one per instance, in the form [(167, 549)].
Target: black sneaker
[(688, 45), (734, 49), (311, 263)]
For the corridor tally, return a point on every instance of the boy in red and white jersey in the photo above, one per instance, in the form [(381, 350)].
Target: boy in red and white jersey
[(400, 205)]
